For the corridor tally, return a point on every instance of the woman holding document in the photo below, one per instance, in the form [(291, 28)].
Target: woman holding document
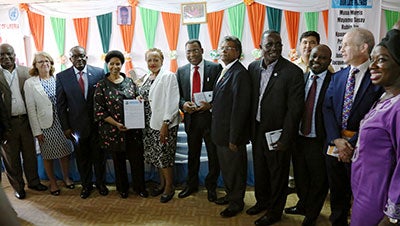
[(123, 143), (161, 98)]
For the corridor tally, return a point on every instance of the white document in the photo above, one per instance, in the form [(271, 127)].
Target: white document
[(272, 137), (134, 114), (332, 151), (202, 96)]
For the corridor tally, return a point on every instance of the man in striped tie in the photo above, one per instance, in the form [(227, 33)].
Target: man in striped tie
[(349, 97)]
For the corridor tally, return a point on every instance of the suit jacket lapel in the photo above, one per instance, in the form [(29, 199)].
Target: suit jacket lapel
[(186, 77), (39, 87), (362, 89), (4, 82), (206, 76), (274, 76)]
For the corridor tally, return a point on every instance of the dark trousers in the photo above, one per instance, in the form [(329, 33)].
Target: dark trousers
[(234, 173), (132, 150), (340, 190), (88, 155), (310, 175), (199, 129), (20, 142), (271, 170)]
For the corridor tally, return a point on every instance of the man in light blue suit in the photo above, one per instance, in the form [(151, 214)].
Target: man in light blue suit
[(75, 89)]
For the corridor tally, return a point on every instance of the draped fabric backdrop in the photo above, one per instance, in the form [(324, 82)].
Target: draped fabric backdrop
[(290, 17)]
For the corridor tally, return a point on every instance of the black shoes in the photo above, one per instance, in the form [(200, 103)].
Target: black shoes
[(69, 186), (186, 192), (20, 194), (266, 220), (256, 209), (211, 195), (156, 191), (228, 212), (123, 195), (86, 192), (143, 194), (38, 187), (167, 197), (103, 190), (294, 210), (222, 201), (56, 192)]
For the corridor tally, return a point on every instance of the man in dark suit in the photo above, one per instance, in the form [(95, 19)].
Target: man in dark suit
[(277, 104), (75, 89), (198, 118), (308, 157), (19, 136), (343, 109), (230, 124)]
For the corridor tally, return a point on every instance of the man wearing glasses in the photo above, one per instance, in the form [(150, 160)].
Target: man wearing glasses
[(277, 105), (230, 130), (75, 89), (198, 79)]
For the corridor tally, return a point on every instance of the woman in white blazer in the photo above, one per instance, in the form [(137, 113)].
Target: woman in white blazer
[(40, 96), (161, 98)]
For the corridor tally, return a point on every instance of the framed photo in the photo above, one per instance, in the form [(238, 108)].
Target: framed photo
[(194, 13), (124, 15)]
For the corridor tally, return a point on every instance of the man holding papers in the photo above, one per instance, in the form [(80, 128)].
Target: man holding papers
[(277, 103), (196, 81)]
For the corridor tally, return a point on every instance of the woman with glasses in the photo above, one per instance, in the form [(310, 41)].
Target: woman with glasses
[(40, 96)]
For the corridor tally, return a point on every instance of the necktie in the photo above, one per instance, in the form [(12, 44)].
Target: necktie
[(221, 76), (196, 81), (348, 97), (81, 82), (309, 108)]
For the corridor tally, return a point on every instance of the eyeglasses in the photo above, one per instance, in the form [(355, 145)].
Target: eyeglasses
[(271, 44), (43, 61), (227, 48), (82, 56), (189, 51)]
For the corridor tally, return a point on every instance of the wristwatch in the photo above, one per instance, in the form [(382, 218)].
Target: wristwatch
[(394, 221), (167, 122)]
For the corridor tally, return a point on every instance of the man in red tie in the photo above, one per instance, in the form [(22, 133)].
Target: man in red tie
[(195, 79), (75, 89), (308, 158)]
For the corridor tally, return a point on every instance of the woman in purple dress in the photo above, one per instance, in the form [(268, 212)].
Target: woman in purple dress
[(375, 175)]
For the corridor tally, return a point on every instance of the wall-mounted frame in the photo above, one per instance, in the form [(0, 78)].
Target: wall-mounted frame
[(124, 15), (194, 12)]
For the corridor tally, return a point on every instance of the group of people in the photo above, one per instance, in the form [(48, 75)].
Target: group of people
[(320, 119)]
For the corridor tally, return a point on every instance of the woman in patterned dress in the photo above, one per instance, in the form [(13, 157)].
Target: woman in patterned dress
[(40, 96), (161, 98), (123, 143)]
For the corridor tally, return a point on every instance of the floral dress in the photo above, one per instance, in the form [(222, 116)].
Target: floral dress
[(108, 101), (155, 153)]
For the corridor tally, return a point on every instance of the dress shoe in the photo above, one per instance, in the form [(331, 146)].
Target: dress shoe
[(86, 192), (309, 221), (56, 192), (228, 212), (20, 194), (69, 186), (38, 187), (143, 194), (167, 197), (103, 190), (186, 192), (294, 210), (156, 191), (211, 195), (266, 220), (123, 195), (222, 201), (256, 209)]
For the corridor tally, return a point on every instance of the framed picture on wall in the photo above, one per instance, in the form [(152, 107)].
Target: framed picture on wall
[(124, 15), (194, 13)]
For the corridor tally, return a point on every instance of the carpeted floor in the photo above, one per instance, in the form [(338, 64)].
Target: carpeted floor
[(40, 208)]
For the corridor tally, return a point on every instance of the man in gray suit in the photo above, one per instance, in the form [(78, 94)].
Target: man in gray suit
[(75, 110), (198, 117), (19, 135)]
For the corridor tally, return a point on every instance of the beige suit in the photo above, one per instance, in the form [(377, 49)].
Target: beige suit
[(19, 140)]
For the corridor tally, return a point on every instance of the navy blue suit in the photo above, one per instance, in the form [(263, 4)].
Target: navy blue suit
[(76, 113), (339, 172)]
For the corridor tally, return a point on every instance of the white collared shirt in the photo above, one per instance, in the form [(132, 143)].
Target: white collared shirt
[(17, 101)]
